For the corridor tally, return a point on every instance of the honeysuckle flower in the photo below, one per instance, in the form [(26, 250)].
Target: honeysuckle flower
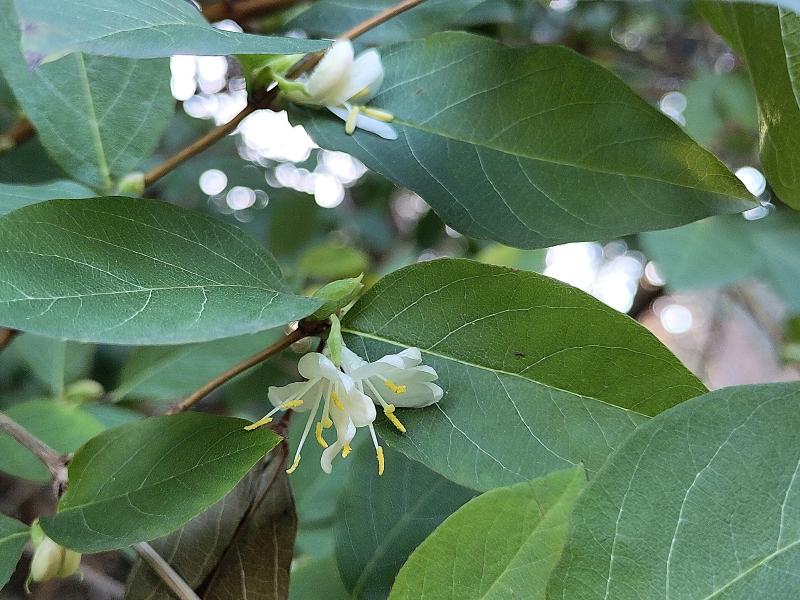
[(52, 561), (344, 83), (343, 405), (396, 380)]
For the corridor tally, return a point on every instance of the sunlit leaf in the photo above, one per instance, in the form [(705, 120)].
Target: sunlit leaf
[(532, 147), (128, 271), (701, 502), (140, 481), (538, 376)]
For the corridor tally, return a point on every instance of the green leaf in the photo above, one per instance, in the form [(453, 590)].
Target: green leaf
[(724, 250), (538, 376), (62, 427), (137, 29), (503, 544), (130, 271), (701, 502), (768, 40), (14, 196), (166, 373), (97, 117), (13, 537), (532, 147), (332, 261), (381, 520), (140, 481), (55, 363), (329, 18), (195, 549), (256, 564), (311, 576)]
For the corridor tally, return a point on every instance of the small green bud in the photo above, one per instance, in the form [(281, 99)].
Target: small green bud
[(52, 561), (260, 69), (83, 390), (335, 341), (336, 295), (131, 184)]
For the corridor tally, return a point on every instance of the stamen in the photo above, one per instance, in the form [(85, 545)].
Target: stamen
[(389, 412), (378, 114), (380, 461), (336, 400), (259, 423), (294, 466), (346, 450), (326, 422), (360, 94), (318, 433), (352, 117), (377, 393), (397, 389), (291, 404)]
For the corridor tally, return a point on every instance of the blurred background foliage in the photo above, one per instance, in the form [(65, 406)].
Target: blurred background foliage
[(718, 292)]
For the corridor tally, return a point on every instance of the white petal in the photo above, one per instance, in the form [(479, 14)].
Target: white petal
[(332, 73), (418, 395), (350, 360), (366, 123), (279, 395), (345, 436), (367, 72), (360, 408), (314, 364)]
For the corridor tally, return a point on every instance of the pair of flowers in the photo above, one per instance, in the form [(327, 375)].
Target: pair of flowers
[(344, 83), (349, 395)]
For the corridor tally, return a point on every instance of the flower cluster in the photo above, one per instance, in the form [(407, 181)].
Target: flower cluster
[(349, 396), (344, 83)]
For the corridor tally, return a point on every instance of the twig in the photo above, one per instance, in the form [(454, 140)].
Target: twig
[(7, 336), (56, 463), (304, 329), (265, 100), (244, 9), (167, 574), (20, 131)]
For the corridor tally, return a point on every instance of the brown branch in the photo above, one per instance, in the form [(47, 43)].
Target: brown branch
[(166, 573), (304, 329), (7, 336), (244, 9), (56, 463), (265, 100), (19, 132)]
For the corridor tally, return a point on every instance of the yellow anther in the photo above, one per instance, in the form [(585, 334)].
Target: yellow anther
[(380, 460), (397, 389), (350, 122), (296, 462), (291, 404), (346, 450), (389, 412), (336, 401), (258, 423), (320, 439), (326, 422), (361, 94), (378, 114)]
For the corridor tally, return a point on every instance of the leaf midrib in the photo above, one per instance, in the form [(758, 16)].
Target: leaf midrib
[(94, 125)]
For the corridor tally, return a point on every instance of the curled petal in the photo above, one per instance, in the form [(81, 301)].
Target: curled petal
[(346, 431), (366, 77), (314, 364), (360, 408), (329, 79), (350, 360), (279, 395)]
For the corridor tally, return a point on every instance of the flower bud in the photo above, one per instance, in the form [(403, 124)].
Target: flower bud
[(131, 184), (336, 295), (51, 561), (83, 390)]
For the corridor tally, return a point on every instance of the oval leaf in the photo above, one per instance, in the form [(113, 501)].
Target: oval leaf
[(13, 537), (129, 271), (14, 196), (137, 29), (97, 117), (538, 376), (503, 544), (532, 147), (140, 481), (701, 502), (382, 519)]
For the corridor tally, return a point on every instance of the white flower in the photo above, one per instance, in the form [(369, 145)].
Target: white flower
[(396, 380), (344, 405), (344, 84)]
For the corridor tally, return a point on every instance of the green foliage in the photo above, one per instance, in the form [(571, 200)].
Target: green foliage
[(16, 196), (140, 481), (139, 272), (505, 145), (55, 363), (13, 537), (332, 261), (510, 554), (138, 29), (381, 520), (699, 503), (538, 376)]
